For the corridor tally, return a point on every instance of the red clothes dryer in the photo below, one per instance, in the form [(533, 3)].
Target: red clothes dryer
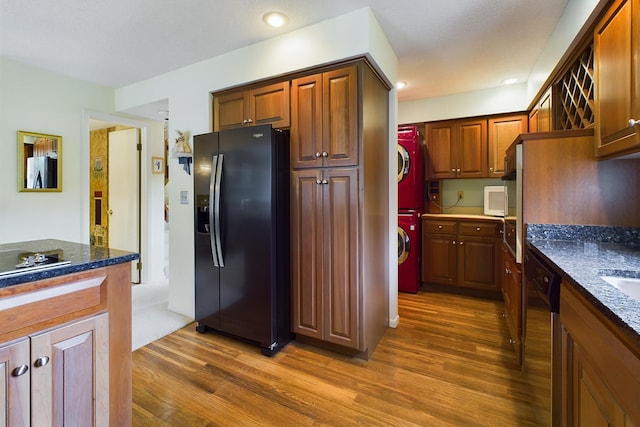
[(409, 251), (410, 168)]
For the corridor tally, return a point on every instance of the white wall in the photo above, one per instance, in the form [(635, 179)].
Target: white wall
[(188, 88), (39, 101)]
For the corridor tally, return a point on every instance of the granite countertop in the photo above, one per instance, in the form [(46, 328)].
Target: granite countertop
[(582, 254), (82, 257)]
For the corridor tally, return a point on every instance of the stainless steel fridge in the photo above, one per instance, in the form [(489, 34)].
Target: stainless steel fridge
[(242, 278)]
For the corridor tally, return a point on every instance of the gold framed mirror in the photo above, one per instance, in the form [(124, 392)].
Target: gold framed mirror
[(39, 162)]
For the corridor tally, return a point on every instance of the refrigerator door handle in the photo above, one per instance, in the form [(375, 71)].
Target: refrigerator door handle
[(216, 212), (211, 229)]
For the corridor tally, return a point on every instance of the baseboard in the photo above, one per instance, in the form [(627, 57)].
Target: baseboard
[(394, 321)]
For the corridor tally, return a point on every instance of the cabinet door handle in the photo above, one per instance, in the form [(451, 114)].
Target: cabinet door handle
[(325, 154), (439, 227), (454, 242), (20, 370), (318, 182), (245, 121), (491, 170), (458, 170), (462, 243), (633, 123), (318, 154), (477, 228), (453, 170), (506, 270), (41, 361), (324, 181), (250, 121)]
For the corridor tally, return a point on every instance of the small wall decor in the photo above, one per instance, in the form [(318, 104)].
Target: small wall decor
[(157, 165), (182, 151)]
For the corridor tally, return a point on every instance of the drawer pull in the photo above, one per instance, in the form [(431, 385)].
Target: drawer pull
[(477, 228), (439, 227), (20, 370), (41, 361)]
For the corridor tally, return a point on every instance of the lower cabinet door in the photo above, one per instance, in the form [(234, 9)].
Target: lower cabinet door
[(15, 396), (478, 261), (70, 374), (440, 259)]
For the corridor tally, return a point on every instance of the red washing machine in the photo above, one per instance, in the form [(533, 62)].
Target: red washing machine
[(409, 243), (410, 168)]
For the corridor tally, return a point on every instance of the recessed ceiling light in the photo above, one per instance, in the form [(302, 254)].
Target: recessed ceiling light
[(401, 84), (509, 81), (275, 19)]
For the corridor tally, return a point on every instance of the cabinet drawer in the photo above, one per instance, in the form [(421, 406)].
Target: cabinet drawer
[(447, 227), (489, 229), (79, 295)]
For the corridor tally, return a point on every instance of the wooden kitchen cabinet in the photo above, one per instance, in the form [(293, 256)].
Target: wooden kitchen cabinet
[(502, 132), (324, 119), (617, 80), (600, 370), (457, 149), (461, 253), (339, 209), (261, 105), (326, 294), (541, 115), (58, 377), (81, 322), (512, 296)]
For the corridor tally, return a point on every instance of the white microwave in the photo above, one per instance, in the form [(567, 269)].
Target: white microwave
[(494, 200)]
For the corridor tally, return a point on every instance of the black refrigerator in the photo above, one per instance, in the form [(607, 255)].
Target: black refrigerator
[(242, 278)]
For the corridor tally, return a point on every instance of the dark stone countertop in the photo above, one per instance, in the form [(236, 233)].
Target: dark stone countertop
[(582, 254), (82, 257)]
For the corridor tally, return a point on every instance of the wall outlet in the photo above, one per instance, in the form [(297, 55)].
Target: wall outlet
[(460, 194), (184, 197)]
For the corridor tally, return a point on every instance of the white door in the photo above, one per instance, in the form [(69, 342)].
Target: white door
[(124, 194)]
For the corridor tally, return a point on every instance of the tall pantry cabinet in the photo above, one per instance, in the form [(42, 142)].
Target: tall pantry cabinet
[(339, 208)]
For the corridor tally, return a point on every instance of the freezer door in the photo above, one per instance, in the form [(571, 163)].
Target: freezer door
[(207, 278)]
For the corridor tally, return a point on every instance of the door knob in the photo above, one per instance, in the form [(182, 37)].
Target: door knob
[(20, 370), (41, 361), (110, 212)]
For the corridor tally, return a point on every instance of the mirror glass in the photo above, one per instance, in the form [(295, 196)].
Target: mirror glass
[(39, 162)]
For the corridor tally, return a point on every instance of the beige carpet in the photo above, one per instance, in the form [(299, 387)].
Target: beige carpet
[(150, 317)]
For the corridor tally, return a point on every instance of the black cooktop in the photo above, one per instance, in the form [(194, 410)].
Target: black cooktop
[(16, 261)]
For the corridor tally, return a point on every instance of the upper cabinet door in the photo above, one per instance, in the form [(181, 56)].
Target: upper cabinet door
[(617, 96), (440, 140), (340, 125), (306, 122), (502, 132), (270, 105), (471, 150), (230, 110)]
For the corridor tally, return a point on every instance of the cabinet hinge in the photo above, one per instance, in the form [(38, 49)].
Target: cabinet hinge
[(138, 265), (139, 146)]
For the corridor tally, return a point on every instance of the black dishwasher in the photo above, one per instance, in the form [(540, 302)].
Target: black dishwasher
[(542, 283)]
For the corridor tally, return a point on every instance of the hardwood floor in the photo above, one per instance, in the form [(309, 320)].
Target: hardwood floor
[(448, 363)]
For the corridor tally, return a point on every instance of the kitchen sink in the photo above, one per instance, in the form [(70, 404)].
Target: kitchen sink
[(627, 285)]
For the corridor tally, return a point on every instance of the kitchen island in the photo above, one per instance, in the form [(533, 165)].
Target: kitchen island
[(599, 347), (65, 335)]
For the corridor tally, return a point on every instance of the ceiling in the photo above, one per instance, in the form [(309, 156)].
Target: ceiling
[(443, 47)]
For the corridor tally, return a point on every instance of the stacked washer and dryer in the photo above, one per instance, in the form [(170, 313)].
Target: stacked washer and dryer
[(410, 206)]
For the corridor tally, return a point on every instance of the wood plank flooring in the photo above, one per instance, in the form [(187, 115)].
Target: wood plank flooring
[(449, 363)]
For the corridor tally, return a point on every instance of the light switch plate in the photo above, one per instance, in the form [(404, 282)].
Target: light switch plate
[(184, 197)]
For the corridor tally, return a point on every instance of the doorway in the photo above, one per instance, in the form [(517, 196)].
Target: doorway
[(115, 189)]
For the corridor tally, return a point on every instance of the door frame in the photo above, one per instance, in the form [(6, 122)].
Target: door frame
[(87, 116)]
